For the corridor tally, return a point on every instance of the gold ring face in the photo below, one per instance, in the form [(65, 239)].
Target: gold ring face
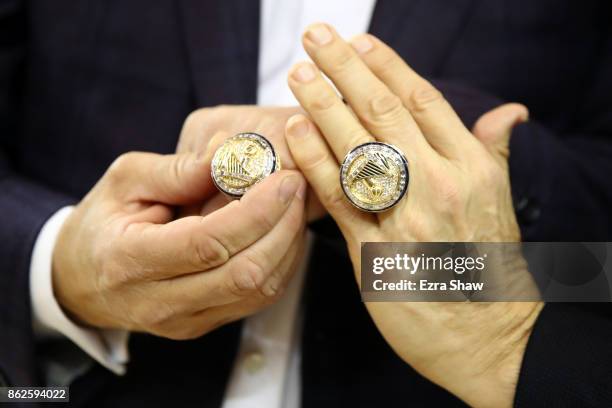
[(242, 161), (374, 176)]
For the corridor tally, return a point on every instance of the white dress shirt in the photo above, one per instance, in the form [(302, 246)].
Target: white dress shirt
[(266, 371)]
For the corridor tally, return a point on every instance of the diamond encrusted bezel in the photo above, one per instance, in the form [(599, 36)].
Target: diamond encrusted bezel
[(395, 155), (272, 164)]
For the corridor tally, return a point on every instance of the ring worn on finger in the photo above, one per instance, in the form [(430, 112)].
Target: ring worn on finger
[(374, 176), (241, 162)]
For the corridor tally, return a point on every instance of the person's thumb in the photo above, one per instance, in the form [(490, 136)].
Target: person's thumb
[(174, 179), (494, 128)]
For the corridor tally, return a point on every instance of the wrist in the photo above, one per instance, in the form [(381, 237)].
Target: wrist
[(67, 282), (496, 366), (108, 347)]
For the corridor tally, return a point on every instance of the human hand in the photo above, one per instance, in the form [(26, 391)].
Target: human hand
[(206, 129), (459, 191), (122, 262)]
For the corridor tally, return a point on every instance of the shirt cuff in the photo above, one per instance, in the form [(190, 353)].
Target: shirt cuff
[(107, 347)]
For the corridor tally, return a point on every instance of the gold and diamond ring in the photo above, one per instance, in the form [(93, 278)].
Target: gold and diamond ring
[(242, 161), (374, 176)]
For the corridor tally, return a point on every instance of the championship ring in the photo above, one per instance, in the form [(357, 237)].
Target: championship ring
[(374, 176), (242, 161)]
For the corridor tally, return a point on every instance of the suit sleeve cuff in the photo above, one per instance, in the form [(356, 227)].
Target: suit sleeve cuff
[(107, 347), (567, 360)]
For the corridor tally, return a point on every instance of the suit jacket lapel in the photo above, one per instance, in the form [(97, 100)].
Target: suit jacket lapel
[(222, 44), (423, 31)]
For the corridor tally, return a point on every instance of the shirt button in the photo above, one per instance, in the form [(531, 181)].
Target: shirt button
[(254, 362)]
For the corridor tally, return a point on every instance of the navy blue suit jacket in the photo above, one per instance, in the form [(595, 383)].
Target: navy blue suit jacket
[(82, 81)]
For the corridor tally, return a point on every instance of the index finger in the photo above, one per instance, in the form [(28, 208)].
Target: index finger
[(193, 244)]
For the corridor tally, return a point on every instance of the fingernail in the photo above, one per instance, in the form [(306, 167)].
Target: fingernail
[(271, 289), (288, 188), (519, 120), (319, 34), (297, 127), (303, 73), (362, 44)]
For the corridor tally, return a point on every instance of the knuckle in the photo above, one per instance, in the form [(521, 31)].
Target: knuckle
[(111, 277), (154, 316), (384, 59), (210, 252), (449, 188), (199, 120), (314, 159), (451, 196), (333, 197), (385, 108), (110, 261), (263, 217), (491, 176), (195, 117), (324, 101), (355, 138), (275, 287), (178, 166), (424, 97), (221, 109), (118, 170), (483, 130), (247, 276), (343, 61), (417, 227), (387, 64), (201, 115)]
